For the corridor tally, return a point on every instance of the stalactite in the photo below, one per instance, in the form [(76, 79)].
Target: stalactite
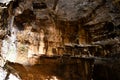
[(41, 43)]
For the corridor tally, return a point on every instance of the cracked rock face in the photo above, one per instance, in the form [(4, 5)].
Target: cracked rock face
[(95, 10), (57, 27), (45, 25)]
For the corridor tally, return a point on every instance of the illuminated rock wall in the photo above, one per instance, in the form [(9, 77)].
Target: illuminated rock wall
[(80, 28), (46, 26)]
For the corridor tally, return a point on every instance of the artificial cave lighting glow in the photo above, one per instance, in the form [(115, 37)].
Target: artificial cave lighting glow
[(12, 77), (52, 78), (9, 50), (5, 1), (2, 74)]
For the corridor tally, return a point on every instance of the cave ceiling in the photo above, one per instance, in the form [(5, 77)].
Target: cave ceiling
[(89, 12)]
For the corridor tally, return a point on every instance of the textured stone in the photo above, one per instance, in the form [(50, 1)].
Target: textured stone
[(46, 28)]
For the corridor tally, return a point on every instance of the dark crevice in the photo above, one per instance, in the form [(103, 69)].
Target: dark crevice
[(39, 6)]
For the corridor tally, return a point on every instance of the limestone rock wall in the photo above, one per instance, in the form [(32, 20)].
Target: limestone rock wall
[(45, 26), (80, 28)]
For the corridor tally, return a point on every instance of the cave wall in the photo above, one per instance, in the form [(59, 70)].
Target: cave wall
[(80, 28), (46, 27)]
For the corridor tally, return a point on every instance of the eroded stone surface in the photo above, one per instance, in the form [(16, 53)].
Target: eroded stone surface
[(63, 27)]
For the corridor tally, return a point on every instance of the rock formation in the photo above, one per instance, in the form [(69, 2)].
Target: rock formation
[(79, 28)]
